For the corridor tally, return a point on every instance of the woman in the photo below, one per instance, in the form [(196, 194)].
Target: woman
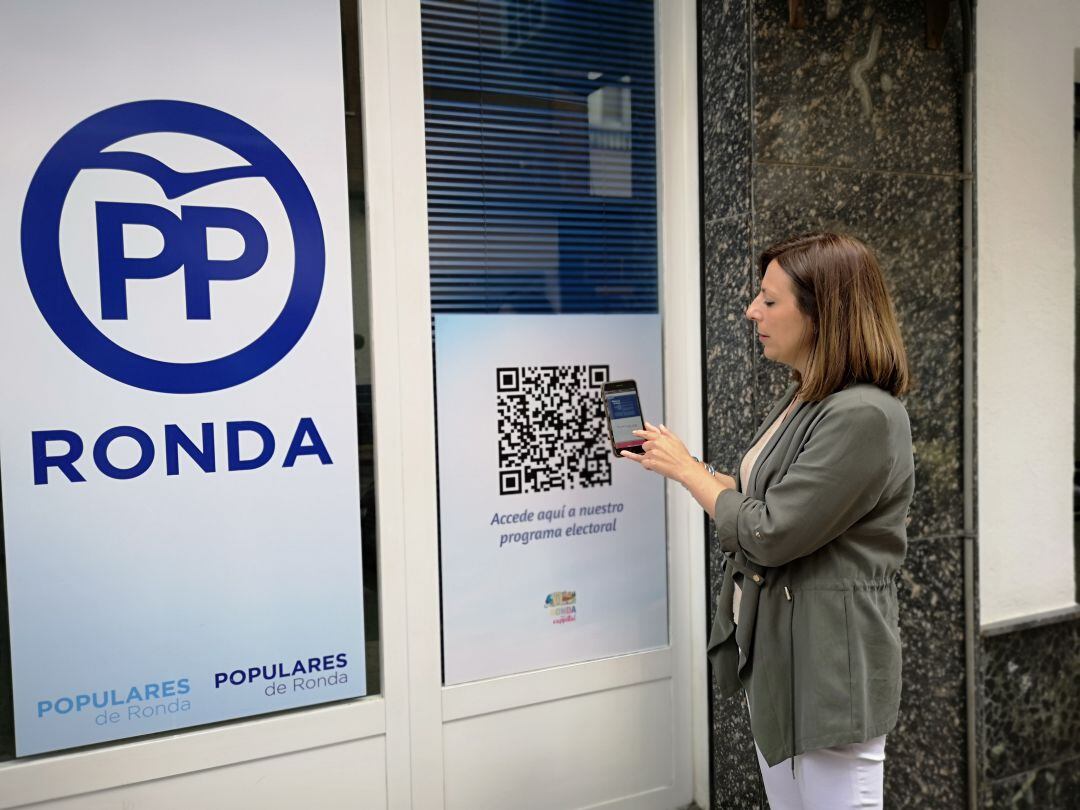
[(813, 528)]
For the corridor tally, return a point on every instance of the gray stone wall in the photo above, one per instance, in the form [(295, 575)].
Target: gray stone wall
[(850, 124), (1031, 717)]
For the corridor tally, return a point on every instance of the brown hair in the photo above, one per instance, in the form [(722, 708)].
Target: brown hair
[(839, 285)]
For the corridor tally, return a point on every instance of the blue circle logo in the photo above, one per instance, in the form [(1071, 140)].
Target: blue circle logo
[(83, 147)]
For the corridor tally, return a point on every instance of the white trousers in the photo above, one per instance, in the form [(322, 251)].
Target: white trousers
[(838, 778), (847, 776)]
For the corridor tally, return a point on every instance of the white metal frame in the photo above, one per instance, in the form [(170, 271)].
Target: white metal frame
[(683, 661), (411, 714), (393, 96), (397, 247), (680, 240)]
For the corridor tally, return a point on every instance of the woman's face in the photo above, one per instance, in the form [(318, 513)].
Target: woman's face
[(785, 333)]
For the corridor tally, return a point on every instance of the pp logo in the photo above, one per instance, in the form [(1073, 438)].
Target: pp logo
[(184, 238)]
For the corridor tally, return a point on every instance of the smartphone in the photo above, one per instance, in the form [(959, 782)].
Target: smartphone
[(623, 409)]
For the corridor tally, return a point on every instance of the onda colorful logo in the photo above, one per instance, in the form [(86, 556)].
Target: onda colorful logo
[(561, 606)]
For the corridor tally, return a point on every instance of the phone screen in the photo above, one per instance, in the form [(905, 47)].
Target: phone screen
[(624, 416)]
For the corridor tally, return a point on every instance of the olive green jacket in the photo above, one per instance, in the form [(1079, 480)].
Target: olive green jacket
[(816, 542)]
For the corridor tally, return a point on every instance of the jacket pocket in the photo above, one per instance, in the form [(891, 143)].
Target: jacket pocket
[(875, 652), (823, 675)]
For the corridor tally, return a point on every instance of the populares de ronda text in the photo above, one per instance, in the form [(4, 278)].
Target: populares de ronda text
[(550, 516)]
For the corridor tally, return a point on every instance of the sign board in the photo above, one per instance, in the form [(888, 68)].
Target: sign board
[(553, 550), (178, 420)]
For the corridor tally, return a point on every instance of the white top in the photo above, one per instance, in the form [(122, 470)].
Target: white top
[(747, 466)]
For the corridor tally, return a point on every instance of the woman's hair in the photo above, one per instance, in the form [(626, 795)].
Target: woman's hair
[(839, 286)]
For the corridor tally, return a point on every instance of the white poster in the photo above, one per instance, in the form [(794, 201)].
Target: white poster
[(178, 434), (553, 550)]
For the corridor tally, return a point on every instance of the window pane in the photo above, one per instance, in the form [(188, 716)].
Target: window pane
[(541, 150), (196, 583), (541, 173), (354, 149)]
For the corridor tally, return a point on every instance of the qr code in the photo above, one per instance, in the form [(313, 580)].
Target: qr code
[(551, 428)]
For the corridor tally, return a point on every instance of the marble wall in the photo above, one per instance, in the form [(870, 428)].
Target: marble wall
[(850, 124), (1031, 717)]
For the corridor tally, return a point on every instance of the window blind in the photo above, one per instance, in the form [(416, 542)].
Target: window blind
[(540, 123)]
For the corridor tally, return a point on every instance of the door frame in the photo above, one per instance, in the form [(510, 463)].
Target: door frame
[(419, 707)]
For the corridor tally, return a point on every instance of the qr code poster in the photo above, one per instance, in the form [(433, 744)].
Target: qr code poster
[(553, 550)]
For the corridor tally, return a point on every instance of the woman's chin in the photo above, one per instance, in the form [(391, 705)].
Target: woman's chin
[(768, 354)]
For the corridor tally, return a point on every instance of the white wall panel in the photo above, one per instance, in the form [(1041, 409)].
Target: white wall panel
[(578, 752), (1026, 289), (351, 775)]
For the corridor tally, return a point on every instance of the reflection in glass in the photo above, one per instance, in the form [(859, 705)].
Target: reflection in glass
[(354, 152)]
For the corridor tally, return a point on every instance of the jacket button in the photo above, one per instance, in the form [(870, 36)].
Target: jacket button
[(757, 577)]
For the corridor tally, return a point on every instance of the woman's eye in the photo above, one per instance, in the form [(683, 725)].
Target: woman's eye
[(769, 303)]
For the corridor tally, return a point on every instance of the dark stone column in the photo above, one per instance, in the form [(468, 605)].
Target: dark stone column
[(1031, 713), (848, 124), (730, 355)]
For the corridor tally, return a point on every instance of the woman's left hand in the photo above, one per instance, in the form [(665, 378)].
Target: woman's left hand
[(664, 453)]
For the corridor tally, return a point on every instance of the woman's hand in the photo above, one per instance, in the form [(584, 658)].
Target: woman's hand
[(664, 454), (667, 455)]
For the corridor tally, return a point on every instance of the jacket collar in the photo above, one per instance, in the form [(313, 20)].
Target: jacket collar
[(778, 408)]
